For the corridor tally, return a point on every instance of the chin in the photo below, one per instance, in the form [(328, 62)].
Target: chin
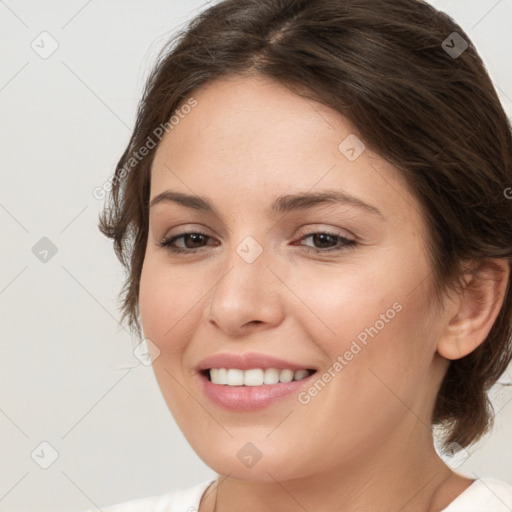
[(243, 460)]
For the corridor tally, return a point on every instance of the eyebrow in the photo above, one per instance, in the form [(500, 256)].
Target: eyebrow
[(282, 204)]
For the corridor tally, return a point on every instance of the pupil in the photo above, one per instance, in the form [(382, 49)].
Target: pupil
[(323, 238), (195, 237)]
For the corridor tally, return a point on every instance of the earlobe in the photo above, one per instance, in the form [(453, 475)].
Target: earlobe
[(473, 310)]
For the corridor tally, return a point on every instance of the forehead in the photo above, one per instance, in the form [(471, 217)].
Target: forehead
[(236, 108), (251, 139)]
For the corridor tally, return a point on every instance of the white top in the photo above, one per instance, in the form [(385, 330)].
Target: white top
[(483, 495)]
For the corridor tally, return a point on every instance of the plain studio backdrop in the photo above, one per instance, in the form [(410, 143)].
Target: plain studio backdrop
[(82, 421)]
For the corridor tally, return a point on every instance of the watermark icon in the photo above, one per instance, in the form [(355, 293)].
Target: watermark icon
[(146, 352), (455, 455), (45, 45), (455, 45), (352, 147), (143, 151), (44, 250), (508, 192), (44, 455), (249, 249), (304, 397), (249, 454)]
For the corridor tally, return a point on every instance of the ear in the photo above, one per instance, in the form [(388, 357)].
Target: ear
[(471, 313)]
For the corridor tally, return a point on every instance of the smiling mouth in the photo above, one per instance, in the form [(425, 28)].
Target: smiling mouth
[(254, 376)]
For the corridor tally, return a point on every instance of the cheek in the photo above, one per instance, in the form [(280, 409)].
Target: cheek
[(169, 300), (349, 302), (377, 335), (376, 316), (151, 292), (169, 304)]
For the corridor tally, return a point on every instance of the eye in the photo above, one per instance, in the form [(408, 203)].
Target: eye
[(340, 242), (334, 242), (194, 236)]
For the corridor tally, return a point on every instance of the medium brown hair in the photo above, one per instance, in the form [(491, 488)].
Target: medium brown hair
[(386, 66)]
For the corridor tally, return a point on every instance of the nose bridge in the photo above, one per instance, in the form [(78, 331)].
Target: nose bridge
[(246, 273), (246, 291), (249, 250)]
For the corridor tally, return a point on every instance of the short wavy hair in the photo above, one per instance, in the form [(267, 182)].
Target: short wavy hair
[(411, 82)]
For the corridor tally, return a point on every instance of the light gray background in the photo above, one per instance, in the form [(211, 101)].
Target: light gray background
[(68, 375)]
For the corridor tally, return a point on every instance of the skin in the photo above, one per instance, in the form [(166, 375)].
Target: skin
[(364, 442)]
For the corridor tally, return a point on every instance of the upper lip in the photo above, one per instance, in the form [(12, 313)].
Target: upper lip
[(248, 361)]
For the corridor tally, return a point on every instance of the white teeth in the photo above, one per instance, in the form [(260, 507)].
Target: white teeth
[(286, 375), (300, 374), (235, 377), (271, 376), (255, 376), (223, 374), (214, 375)]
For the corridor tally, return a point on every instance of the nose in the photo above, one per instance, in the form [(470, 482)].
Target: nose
[(249, 296)]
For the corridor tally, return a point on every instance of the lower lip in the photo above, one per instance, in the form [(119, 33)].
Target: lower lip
[(250, 398)]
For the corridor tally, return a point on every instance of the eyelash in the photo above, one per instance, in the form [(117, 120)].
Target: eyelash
[(347, 243)]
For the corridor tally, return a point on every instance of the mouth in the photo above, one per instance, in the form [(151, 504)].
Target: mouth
[(254, 389), (237, 377), (246, 382)]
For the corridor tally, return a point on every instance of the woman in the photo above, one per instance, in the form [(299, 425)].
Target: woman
[(313, 213)]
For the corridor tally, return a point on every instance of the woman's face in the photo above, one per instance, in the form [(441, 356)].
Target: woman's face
[(341, 287)]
